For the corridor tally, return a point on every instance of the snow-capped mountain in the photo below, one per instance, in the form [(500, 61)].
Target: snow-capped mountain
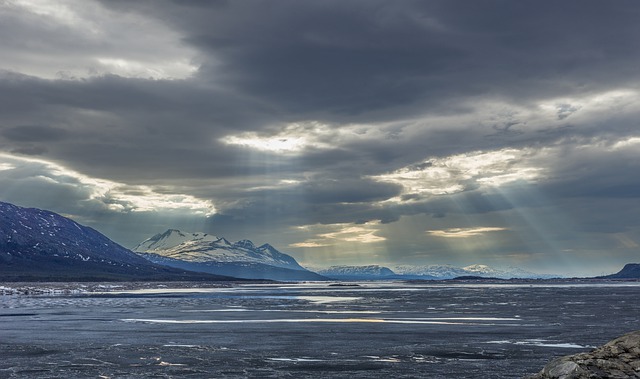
[(172, 238), (450, 272), (208, 253), (203, 247), (430, 271), (357, 272), (36, 243), (506, 273)]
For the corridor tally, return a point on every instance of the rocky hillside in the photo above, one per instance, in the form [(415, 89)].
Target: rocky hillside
[(618, 359), (36, 244)]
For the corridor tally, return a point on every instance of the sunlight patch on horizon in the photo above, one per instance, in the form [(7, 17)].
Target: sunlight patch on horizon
[(330, 235), (310, 243), (465, 232), (115, 196)]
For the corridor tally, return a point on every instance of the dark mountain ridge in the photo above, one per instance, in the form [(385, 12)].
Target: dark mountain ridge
[(36, 244), (629, 271)]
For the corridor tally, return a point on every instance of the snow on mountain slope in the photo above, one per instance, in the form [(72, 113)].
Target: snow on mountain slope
[(449, 272), (506, 273), (484, 270), (356, 271), (36, 244), (202, 247), (434, 271), (172, 238)]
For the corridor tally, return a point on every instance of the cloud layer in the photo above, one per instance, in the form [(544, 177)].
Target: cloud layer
[(342, 132)]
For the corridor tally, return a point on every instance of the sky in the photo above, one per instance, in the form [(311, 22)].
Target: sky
[(345, 132)]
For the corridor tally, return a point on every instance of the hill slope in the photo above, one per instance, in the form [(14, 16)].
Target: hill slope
[(629, 271), (37, 244)]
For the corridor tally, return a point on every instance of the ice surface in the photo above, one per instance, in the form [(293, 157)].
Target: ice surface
[(543, 343), (273, 330)]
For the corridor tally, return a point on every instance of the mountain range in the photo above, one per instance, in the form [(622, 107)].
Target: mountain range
[(370, 272), (430, 272), (203, 252), (40, 245)]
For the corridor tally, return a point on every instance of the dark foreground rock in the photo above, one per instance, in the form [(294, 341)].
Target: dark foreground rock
[(619, 358)]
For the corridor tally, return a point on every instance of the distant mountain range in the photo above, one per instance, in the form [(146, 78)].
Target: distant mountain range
[(371, 272), (449, 272), (430, 272), (203, 252), (40, 245)]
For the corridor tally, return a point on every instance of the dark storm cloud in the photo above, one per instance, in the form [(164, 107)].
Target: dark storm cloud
[(110, 122), (349, 58), (112, 93), (30, 150), (280, 211), (347, 190), (32, 183), (264, 63), (33, 133), (598, 176)]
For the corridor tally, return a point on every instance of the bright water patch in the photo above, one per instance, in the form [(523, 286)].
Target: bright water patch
[(543, 343), (322, 311), (296, 359), (426, 321)]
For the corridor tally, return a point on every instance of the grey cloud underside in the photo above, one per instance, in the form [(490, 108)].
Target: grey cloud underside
[(350, 58), (33, 133), (172, 127)]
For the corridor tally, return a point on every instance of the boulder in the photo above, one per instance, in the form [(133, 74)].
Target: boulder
[(618, 359)]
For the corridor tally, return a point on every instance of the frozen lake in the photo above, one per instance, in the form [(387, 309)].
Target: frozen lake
[(313, 330)]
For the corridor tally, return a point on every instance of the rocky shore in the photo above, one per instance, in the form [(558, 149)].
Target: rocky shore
[(617, 359)]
